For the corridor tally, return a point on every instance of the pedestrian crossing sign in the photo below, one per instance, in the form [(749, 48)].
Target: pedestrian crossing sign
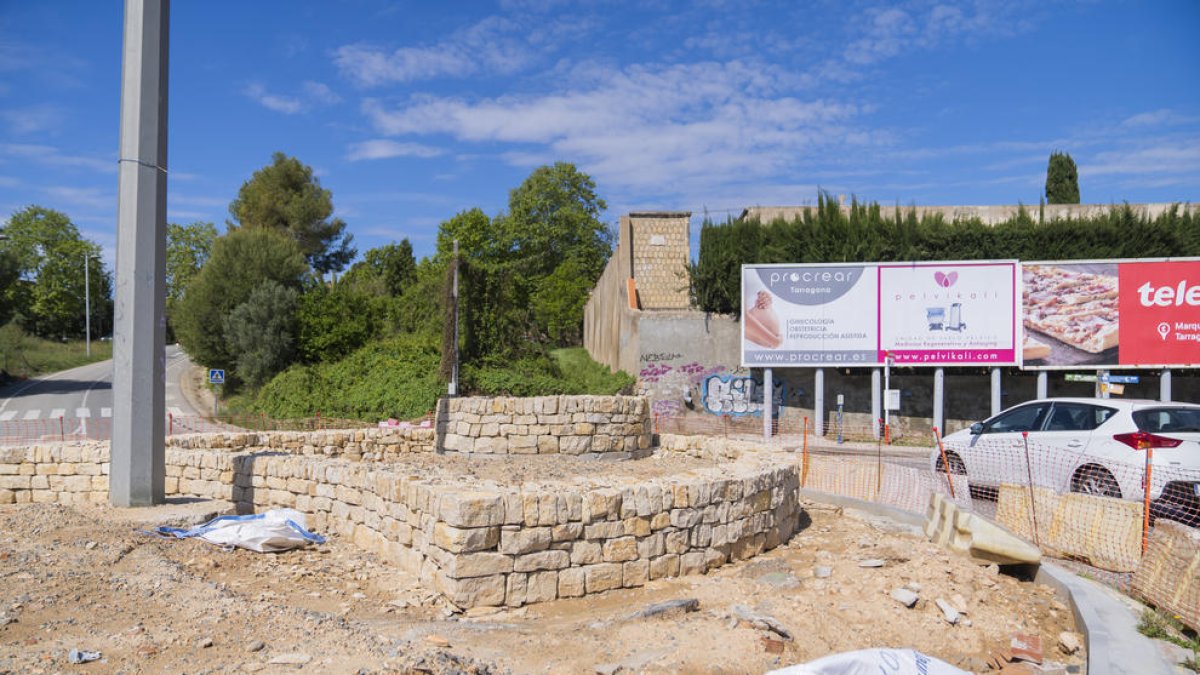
[(216, 376)]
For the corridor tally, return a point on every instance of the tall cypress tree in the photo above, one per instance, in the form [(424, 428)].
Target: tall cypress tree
[(1062, 179)]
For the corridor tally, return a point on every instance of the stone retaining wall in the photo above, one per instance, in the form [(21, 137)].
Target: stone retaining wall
[(486, 545), (615, 427), (380, 444)]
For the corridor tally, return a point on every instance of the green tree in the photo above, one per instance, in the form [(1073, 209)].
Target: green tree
[(260, 332), (188, 248), (9, 274), (241, 261), (333, 321), (553, 217), (387, 270), (285, 196), (1062, 179), (50, 256)]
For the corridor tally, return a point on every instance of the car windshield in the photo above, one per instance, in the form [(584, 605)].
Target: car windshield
[(1168, 420)]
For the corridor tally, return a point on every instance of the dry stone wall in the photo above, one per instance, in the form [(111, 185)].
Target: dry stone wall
[(486, 544), (612, 427)]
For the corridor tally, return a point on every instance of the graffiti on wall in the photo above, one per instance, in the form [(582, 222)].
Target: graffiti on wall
[(738, 395)]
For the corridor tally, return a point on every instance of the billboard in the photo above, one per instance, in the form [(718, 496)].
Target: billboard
[(921, 314), (1111, 314)]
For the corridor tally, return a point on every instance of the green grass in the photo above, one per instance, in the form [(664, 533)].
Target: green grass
[(578, 367), (1160, 626), (25, 356)]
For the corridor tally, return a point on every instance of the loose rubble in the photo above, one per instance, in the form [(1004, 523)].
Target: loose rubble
[(336, 609)]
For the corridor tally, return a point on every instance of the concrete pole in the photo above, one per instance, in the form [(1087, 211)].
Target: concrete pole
[(138, 468), (996, 401), (1043, 384), (819, 402), (876, 395), (768, 395), (1101, 387), (1164, 385), (939, 397)]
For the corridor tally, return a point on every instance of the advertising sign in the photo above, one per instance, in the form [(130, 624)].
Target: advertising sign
[(1112, 314), (933, 314)]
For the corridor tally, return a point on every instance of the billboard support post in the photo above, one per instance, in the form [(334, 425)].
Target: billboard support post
[(768, 395), (996, 402), (887, 385), (1043, 384), (876, 396), (1102, 384), (1164, 385), (819, 402), (939, 396)]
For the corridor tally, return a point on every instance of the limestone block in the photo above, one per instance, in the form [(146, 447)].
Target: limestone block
[(691, 562), (7, 496), (567, 532), (471, 509), (571, 582), (468, 539), (651, 546), (664, 566), (677, 541), (620, 549), (948, 525), (586, 552), (542, 587), (516, 588), (635, 573), (1167, 575), (472, 592), (608, 529), (542, 560), (547, 445), (602, 577), (638, 527), (466, 565)]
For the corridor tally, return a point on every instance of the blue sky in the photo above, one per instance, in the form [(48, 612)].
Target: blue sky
[(411, 111)]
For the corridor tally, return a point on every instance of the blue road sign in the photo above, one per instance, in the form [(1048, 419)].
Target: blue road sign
[(1124, 379), (216, 376)]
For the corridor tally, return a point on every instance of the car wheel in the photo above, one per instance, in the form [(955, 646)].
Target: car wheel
[(1092, 479), (956, 464)]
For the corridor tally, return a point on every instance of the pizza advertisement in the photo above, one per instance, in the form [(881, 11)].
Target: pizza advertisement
[(1111, 314)]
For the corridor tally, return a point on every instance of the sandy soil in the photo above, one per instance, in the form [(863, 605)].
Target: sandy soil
[(83, 578)]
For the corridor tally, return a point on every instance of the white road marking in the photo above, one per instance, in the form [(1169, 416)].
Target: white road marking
[(32, 415), (106, 412), (8, 415), (83, 412), (58, 412), (176, 411)]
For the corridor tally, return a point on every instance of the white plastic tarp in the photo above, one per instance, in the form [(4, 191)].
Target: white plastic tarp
[(268, 532), (873, 662)]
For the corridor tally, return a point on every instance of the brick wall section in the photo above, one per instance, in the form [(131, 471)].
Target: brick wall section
[(487, 545), (612, 426), (661, 253)]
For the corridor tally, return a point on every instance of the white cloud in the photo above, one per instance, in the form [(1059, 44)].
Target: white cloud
[(320, 93), (1164, 156), (493, 45), (646, 128), (386, 149), (87, 197), (33, 119), (1156, 118), (47, 155), (288, 105)]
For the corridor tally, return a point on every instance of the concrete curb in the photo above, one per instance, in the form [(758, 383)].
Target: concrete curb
[(1108, 624)]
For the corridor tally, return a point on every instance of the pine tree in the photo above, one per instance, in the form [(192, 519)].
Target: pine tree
[(1062, 179)]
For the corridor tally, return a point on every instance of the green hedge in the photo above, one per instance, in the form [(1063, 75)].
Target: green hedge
[(869, 233)]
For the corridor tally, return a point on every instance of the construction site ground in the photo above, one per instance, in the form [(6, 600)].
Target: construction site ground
[(86, 579)]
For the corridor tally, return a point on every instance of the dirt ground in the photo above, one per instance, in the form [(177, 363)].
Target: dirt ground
[(74, 578)]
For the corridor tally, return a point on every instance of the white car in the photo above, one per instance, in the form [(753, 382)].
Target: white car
[(1090, 445)]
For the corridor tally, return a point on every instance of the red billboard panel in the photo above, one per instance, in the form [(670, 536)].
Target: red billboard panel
[(1105, 314)]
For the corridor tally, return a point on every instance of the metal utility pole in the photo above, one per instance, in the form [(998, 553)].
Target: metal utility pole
[(138, 470)]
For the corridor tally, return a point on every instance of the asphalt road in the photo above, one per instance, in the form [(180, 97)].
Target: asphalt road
[(77, 403)]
